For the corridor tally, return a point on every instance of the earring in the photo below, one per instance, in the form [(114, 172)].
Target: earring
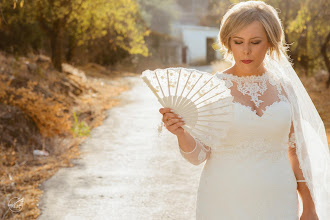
[(268, 52)]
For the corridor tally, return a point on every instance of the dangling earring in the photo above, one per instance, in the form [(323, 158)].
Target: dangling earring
[(268, 52)]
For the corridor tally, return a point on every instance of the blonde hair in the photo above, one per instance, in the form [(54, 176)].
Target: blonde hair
[(243, 14)]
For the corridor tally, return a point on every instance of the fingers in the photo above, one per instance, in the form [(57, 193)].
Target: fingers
[(172, 121), (170, 116), (167, 114), (175, 126), (165, 110)]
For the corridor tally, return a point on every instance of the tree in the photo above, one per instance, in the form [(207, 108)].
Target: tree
[(158, 14), (87, 20), (309, 29), (306, 29)]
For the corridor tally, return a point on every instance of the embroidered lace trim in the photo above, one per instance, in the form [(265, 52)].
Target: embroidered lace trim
[(292, 140), (257, 148), (254, 86), (192, 156)]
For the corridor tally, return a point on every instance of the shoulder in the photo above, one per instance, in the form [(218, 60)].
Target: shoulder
[(219, 74), (225, 77)]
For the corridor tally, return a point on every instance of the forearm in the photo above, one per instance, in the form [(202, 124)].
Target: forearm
[(192, 149), (186, 142), (302, 188)]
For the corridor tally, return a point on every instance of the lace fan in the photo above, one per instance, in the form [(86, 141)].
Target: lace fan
[(202, 99)]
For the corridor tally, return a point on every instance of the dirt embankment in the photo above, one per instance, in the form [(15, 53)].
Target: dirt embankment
[(44, 116)]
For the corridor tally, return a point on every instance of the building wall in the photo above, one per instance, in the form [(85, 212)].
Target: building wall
[(195, 38)]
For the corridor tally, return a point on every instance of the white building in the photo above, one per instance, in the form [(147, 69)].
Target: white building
[(183, 40), (197, 43)]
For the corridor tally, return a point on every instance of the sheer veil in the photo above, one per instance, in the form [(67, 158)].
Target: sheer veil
[(310, 136)]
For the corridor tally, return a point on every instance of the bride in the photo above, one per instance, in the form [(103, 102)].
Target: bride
[(276, 144)]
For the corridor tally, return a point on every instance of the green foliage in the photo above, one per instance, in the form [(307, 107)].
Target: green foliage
[(20, 2), (151, 9), (113, 19), (84, 22), (18, 34), (110, 30), (79, 129), (306, 26)]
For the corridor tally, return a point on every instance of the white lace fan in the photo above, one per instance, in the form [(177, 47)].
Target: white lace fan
[(202, 99)]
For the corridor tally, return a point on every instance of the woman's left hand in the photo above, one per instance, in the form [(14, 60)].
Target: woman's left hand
[(309, 216)]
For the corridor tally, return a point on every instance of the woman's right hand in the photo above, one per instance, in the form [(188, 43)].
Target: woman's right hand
[(172, 121)]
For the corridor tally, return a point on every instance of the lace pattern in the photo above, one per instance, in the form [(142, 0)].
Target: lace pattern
[(282, 97), (292, 141), (198, 155), (257, 148), (254, 86)]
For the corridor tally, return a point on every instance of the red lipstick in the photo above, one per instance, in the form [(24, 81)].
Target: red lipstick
[(246, 61)]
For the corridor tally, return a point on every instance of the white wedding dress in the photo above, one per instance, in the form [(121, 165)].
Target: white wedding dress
[(248, 176)]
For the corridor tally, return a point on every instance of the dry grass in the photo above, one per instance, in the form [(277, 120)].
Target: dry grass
[(23, 179), (321, 100), (49, 98)]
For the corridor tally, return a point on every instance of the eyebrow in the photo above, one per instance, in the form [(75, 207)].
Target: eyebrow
[(243, 38)]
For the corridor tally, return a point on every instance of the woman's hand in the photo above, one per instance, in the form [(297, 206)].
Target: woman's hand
[(172, 121), (309, 215)]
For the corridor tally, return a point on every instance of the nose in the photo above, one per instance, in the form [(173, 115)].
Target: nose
[(246, 49)]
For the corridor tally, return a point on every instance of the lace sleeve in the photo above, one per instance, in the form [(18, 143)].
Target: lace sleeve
[(198, 155), (292, 138), (292, 141)]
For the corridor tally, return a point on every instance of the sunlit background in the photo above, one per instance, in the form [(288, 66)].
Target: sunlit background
[(63, 64), (165, 32)]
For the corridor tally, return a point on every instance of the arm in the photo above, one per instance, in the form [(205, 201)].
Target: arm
[(192, 149), (308, 204)]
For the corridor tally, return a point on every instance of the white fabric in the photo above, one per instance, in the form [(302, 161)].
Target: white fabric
[(198, 155), (309, 135), (267, 110), (248, 175)]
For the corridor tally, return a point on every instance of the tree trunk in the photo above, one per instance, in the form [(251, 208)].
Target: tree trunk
[(325, 56), (72, 44), (56, 44)]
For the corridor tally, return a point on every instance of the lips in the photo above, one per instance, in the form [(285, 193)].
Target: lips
[(246, 61)]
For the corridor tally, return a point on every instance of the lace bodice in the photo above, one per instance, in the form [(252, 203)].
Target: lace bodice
[(259, 89), (263, 115)]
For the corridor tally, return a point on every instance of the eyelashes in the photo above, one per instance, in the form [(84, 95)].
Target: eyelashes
[(251, 42)]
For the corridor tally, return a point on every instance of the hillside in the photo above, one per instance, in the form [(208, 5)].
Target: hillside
[(44, 116)]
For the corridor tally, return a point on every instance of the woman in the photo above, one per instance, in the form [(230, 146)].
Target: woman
[(276, 144)]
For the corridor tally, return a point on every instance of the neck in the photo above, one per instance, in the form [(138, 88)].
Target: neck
[(239, 72)]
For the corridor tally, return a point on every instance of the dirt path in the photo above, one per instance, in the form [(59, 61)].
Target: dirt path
[(126, 171)]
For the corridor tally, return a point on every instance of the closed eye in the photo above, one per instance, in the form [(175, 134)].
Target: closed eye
[(251, 42)]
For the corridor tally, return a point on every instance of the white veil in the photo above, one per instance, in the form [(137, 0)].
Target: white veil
[(311, 140)]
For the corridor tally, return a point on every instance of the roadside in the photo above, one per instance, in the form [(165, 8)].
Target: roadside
[(126, 170), (38, 132)]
